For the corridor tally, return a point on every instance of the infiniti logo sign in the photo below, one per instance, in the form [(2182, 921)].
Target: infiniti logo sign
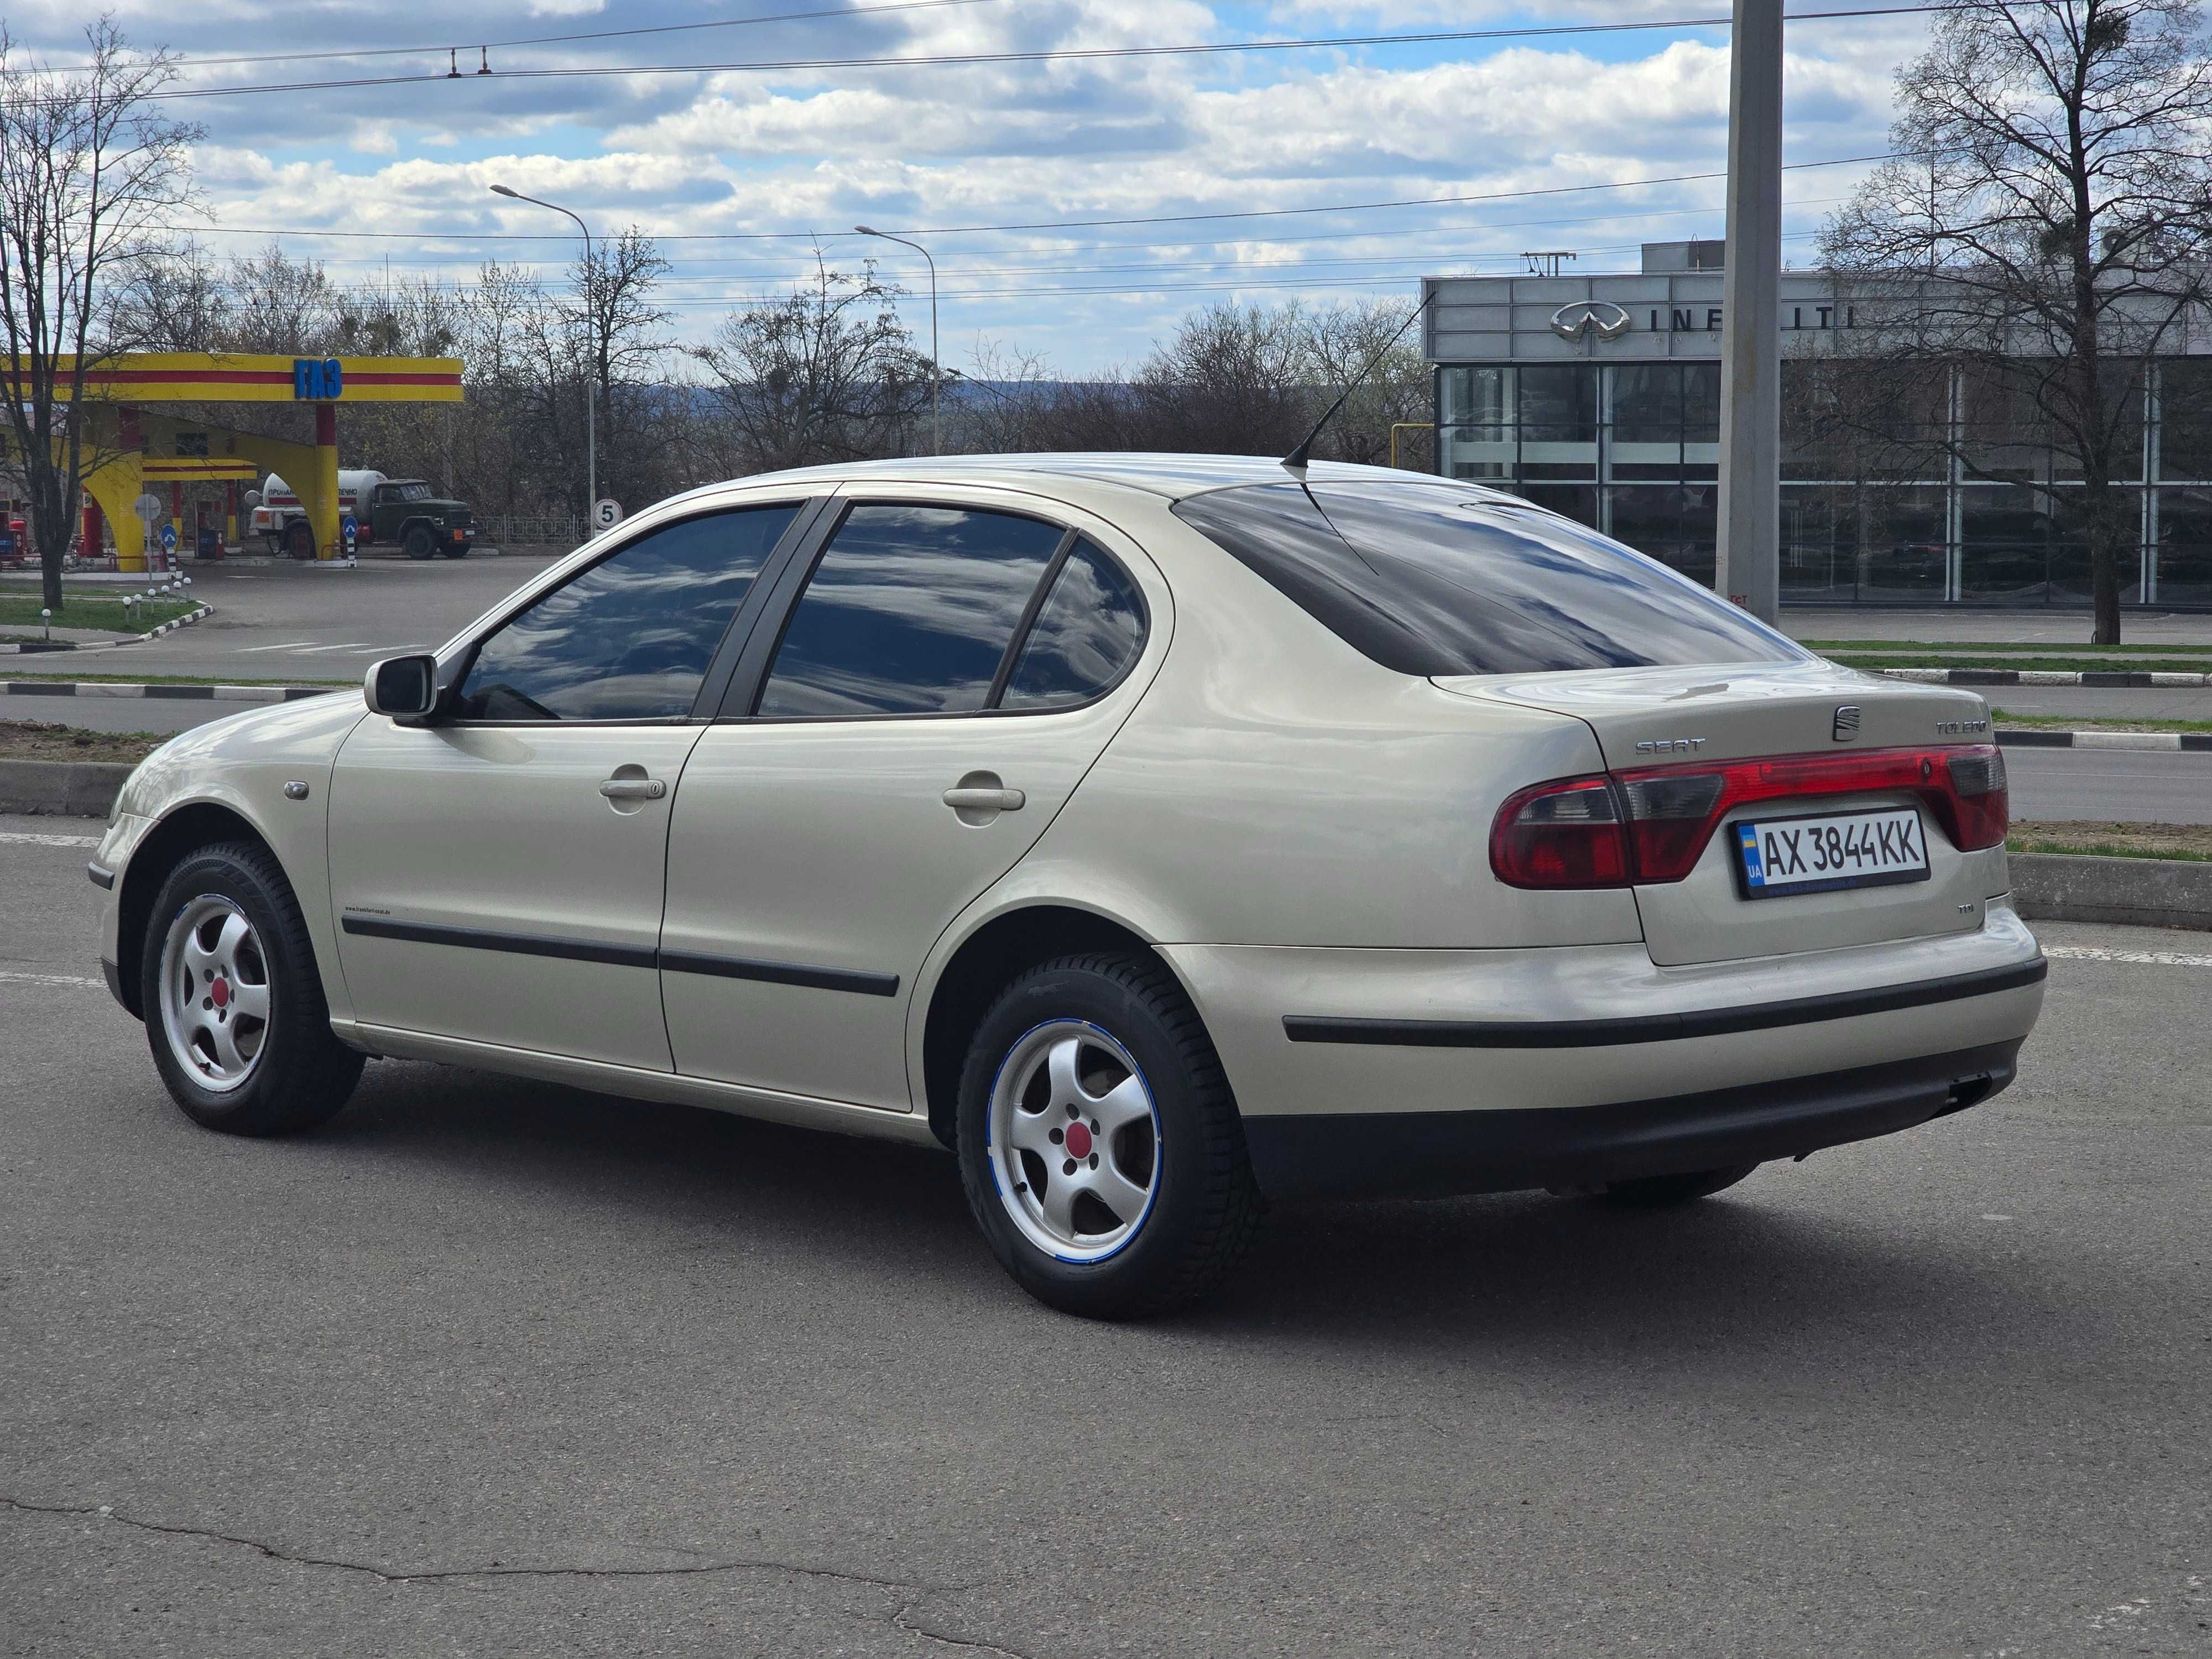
[(1582, 317)]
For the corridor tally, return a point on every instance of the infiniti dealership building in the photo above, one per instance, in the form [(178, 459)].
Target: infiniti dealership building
[(1600, 397)]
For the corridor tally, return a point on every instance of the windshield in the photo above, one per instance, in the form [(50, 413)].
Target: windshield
[(1427, 579), (410, 492)]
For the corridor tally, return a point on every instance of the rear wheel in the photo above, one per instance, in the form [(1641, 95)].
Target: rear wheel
[(300, 539), (234, 1010), (1100, 1147), (1659, 1192), (418, 543)]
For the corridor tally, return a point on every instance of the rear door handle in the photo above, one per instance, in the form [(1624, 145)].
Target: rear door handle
[(964, 799), (633, 789)]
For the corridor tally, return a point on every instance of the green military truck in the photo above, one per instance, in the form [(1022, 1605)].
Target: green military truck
[(408, 512)]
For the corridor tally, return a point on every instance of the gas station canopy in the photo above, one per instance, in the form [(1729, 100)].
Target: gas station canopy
[(129, 448)]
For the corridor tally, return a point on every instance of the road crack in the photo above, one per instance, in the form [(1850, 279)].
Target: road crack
[(434, 1575), (899, 1621)]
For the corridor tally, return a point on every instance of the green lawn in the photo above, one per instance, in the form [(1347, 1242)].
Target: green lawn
[(18, 608), (2085, 723)]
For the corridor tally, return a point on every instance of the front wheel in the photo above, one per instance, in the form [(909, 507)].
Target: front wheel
[(1100, 1146), (234, 1009)]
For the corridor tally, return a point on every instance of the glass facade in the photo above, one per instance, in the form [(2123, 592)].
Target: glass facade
[(1938, 485)]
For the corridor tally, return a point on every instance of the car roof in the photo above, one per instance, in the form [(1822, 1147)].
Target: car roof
[(1171, 476)]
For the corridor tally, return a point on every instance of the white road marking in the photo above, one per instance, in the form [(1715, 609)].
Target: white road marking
[(51, 979), (293, 645), (2154, 959), (29, 840), (350, 644)]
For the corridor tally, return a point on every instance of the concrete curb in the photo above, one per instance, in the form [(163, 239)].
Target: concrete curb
[(170, 627), (179, 692), (2110, 680), (2036, 737), (84, 789), (2141, 892)]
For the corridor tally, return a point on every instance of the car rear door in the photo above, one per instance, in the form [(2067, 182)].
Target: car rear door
[(951, 662), (498, 873)]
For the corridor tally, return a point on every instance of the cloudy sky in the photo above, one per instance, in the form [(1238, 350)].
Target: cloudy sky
[(1031, 178)]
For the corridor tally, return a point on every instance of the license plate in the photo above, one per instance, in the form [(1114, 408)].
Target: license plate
[(1776, 857)]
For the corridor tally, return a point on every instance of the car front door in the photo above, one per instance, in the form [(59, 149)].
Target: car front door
[(950, 668), (497, 872)]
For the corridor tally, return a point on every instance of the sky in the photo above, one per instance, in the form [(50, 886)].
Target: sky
[(744, 173)]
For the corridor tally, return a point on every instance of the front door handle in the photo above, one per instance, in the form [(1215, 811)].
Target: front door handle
[(965, 799), (633, 789)]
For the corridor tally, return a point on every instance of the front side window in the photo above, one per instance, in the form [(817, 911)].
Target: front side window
[(630, 638), (1425, 581), (910, 610)]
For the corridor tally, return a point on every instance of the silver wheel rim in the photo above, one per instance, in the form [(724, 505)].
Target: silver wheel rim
[(1075, 1142), (215, 994)]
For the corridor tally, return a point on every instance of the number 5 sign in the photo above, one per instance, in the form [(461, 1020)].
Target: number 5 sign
[(606, 513)]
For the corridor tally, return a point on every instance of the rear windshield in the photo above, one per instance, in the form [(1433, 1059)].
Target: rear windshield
[(1426, 581)]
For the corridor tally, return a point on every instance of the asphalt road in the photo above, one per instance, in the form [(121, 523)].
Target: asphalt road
[(489, 1367)]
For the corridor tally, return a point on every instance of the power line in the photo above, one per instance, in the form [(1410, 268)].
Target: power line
[(1048, 54)]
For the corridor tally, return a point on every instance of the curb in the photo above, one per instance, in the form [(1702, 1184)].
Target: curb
[(2030, 737), (85, 789), (2139, 892), (180, 693), (170, 627), (2110, 680)]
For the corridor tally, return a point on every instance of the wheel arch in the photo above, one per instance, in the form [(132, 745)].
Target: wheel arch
[(998, 949), (180, 833)]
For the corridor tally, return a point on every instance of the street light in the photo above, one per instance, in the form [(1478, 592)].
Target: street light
[(590, 388), (936, 432)]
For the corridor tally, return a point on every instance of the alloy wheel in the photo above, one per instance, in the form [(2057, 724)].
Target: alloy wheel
[(215, 993), (1074, 1140)]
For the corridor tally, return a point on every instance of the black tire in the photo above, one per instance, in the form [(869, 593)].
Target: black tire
[(454, 550), (419, 542), (1663, 1192), (1205, 1206), (301, 1074), (300, 539)]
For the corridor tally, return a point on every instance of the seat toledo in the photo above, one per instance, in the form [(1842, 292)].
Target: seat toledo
[(1160, 835)]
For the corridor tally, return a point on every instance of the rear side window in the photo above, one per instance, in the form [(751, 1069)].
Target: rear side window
[(1426, 581), (910, 611), (1086, 634), (629, 638)]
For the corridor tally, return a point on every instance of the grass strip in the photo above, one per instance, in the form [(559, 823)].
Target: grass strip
[(35, 740), (2082, 723), (17, 611), (2098, 838), (7, 671), (2041, 664), (1984, 646)]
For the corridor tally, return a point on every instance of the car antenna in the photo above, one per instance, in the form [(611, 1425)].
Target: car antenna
[(1295, 460)]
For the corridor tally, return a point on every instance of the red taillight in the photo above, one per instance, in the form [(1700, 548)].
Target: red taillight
[(1567, 834), (1654, 821)]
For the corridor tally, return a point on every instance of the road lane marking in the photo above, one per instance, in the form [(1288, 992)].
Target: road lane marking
[(350, 644), (28, 840), (52, 979), (2154, 958), (248, 650)]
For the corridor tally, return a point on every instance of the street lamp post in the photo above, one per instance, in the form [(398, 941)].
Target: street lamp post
[(936, 373), (590, 379)]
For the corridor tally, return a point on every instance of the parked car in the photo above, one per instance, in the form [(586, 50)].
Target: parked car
[(1159, 834)]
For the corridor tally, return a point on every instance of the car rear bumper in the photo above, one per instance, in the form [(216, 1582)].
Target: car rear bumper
[(1437, 1154), (1348, 1034)]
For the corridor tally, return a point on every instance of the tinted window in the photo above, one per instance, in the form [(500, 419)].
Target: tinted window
[(629, 638), (1426, 581), (909, 612), (1086, 632)]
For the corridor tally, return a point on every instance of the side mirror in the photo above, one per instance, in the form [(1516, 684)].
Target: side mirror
[(405, 688)]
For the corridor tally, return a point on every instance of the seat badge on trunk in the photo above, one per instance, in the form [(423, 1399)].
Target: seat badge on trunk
[(1847, 723)]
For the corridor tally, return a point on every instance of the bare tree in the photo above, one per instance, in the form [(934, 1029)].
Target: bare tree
[(2050, 232), (1342, 339), (181, 303), (828, 374), (282, 305), (91, 179), (1233, 379)]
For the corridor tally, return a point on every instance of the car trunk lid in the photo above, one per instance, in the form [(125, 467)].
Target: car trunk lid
[(1665, 722)]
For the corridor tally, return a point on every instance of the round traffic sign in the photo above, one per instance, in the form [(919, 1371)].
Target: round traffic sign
[(150, 506), (348, 526), (606, 512), (168, 538)]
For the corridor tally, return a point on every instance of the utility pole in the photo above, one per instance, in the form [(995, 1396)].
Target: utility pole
[(1749, 566)]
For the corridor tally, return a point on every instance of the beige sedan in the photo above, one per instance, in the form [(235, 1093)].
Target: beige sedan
[(1159, 834)]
